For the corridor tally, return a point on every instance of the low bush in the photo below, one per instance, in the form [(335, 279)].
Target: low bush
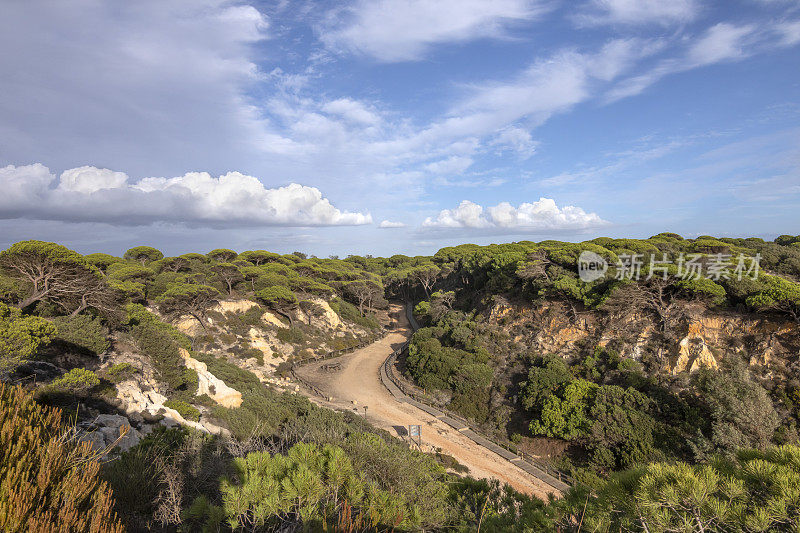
[(20, 337), (76, 380), (349, 313), (284, 369), (186, 410), (232, 375), (290, 335), (136, 475), (119, 372), (310, 485), (84, 331)]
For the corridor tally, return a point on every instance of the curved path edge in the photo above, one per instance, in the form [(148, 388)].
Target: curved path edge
[(391, 383)]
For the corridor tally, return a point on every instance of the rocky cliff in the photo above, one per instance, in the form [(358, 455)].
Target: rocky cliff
[(704, 337)]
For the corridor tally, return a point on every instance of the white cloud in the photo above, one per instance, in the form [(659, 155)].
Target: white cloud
[(352, 111), (451, 165), (542, 215), (388, 224), (517, 140), (633, 12), (91, 179), (550, 85), (404, 30), (89, 194), (721, 42), (466, 215), (790, 32)]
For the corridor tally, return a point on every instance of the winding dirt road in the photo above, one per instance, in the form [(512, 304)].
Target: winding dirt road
[(357, 384)]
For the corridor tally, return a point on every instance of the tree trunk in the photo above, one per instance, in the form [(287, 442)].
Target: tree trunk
[(285, 314), (199, 319), (29, 300)]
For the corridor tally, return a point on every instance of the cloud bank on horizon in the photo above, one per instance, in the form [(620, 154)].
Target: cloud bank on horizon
[(89, 194), (607, 111)]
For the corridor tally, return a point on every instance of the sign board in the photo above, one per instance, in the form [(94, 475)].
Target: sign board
[(415, 434)]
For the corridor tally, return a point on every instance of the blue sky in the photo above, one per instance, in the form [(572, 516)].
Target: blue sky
[(396, 126)]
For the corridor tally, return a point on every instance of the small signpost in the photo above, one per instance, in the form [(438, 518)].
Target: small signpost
[(415, 435)]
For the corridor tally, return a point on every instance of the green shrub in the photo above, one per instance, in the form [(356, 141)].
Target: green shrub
[(84, 331), (160, 343), (77, 379), (204, 516), (187, 411), (120, 372), (47, 482), (311, 485), (137, 475), (754, 491), (284, 369), (138, 314), (232, 375), (20, 337), (290, 335), (349, 313)]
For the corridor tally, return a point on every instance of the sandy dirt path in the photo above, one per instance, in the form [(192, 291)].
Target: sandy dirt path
[(358, 380)]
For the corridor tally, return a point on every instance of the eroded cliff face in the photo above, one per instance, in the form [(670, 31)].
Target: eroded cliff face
[(324, 330), (703, 338)]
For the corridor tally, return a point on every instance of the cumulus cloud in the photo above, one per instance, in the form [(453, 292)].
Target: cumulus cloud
[(542, 215), (90, 194), (404, 30), (388, 224), (662, 12)]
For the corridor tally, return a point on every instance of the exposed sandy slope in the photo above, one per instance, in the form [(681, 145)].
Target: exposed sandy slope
[(359, 380)]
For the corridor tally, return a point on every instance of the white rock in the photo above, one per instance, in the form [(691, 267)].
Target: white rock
[(208, 383)]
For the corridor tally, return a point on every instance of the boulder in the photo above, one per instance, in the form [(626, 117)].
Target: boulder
[(107, 430), (95, 438)]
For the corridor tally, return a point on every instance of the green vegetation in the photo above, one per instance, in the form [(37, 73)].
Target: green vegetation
[(512, 339), (20, 337), (311, 485), (143, 254), (120, 372), (83, 331), (159, 342), (290, 335), (76, 380), (350, 313), (186, 410), (753, 491)]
